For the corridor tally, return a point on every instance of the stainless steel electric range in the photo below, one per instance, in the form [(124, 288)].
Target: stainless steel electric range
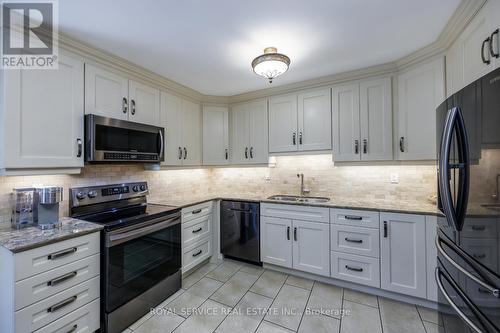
[(140, 249)]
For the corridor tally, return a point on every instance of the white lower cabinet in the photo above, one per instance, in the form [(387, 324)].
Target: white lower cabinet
[(311, 242), (431, 250), (276, 243), (354, 268)]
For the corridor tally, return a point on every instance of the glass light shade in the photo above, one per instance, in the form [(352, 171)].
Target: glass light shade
[(270, 64)]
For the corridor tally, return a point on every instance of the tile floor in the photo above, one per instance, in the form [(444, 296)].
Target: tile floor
[(234, 297)]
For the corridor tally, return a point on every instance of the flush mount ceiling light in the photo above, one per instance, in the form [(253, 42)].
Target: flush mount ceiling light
[(271, 64)]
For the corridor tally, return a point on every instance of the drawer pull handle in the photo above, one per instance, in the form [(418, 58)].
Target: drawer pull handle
[(72, 329), (197, 253), (356, 269), (62, 253), (197, 230), (352, 217), (61, 279), (359, 241), (479, 256), (478, 227), (483, 291), (62, 304), (196, 211)]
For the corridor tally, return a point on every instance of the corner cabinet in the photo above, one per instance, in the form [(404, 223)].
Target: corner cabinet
[(41, 117), (215, 135), (421, 90)]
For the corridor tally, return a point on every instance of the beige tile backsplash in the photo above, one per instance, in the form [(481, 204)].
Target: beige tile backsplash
[(322, 177)]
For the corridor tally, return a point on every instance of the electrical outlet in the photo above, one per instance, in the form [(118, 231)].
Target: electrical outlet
[(267, 177), (394, 178)]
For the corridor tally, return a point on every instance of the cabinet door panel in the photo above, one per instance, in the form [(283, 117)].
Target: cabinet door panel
[(104, 93), (283, 124), (240, 136), (144, 103), (171, 119), (259, 143), (376, 119), (314, 120), (345, 122), (311, 247), (276, 241), (403, 254), (215, 135), (191, 133), (45, 117)]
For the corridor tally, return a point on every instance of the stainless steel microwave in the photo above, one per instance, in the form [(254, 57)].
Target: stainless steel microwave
[(115, 140)]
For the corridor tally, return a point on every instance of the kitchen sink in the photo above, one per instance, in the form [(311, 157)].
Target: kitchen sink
[(296, 198)]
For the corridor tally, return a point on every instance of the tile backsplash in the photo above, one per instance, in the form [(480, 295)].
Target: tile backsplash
[(322, 177)]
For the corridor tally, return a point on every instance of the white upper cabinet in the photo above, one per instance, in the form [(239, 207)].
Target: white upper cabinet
[(283, 124), (240, 135), (215, 135), (420, 91), (345, 122), (191, 133), (314, 120), (144, 103), (42, 125)]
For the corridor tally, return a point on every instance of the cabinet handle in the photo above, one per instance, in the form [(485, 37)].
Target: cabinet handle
[(124, 105), (356, 147), (288, 233), (246, 152), (251, 152), (61, 279), (197, 230), (478, 227), (352, 217), (402, 144), (356, 269), (132, 105), (300, 138), (196, 211), (294, 142), (385, 229), (492, 39), (485, 61), (62, 253), (295, 234), (365, 146), (185, 153), (62, 304), (359, 241), (197, 253), (79, 147), (72, 329), (483, 291), (180, 153), (226, 154)]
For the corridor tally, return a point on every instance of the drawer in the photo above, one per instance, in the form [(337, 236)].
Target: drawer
[(356, 218), (296, 212), (483, 250), (83, 320), (355, 240), (480, 228), (196, 254), (354, 268), (38, 287), (45, 258), (193, 212), (196, 229), (50, 309)]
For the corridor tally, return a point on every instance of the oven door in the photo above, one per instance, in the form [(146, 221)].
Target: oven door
[(114, 140), (136, 259)]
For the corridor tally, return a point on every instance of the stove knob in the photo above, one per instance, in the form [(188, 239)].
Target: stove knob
[(81, 195), (143, 188), (92, 194), (135, 188)]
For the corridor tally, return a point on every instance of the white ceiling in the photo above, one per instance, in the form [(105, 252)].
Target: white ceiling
[(208, 45)]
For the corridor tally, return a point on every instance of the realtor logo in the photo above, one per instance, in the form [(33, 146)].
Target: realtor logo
[(29, 34)]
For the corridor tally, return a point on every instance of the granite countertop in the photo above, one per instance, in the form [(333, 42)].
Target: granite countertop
[(18, 240)]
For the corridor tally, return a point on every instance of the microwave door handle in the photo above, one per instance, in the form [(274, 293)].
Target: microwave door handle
[(463, 168), (160, 154)]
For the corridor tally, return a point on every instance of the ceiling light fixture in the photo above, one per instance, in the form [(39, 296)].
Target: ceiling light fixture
[(271, 64)]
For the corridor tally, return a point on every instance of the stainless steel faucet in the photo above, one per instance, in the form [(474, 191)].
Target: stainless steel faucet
[(495, 194), (303, 190)]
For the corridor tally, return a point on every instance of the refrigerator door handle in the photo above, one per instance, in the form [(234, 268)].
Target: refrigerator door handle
[(463, 169)]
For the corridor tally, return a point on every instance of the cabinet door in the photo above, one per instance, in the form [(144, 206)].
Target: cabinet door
[(240, 135), (431, 255), (215, 135), (144, 103), (191, 133), (311, 247), (106, 93), (420, 91), (283, 136), (493, 8), (276, 241), (376, 119), (258, 131), (44, 125), (403, 254), (314, 120), (345, 123), (171, 119)]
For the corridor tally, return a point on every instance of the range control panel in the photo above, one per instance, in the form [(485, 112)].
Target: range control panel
[(80, 196)]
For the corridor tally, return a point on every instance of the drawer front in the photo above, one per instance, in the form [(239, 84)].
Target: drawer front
[(196, 229), (355, 218), (296, 212), (45, 258), (196, 254), (355, 240), (196, 211), (480, 228), (41, 286), (50, 309), (483, 250), (354, 268), (83, 320)]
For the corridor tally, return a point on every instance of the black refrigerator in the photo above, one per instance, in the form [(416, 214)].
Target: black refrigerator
[(468, 233)]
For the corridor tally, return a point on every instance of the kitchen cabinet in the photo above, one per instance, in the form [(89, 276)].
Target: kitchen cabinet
[(276, 241), (110, 94), (403, 254), (182, 121), (310, 247), (215, 135), (42, 125), (249, 135), (300, 122), (431, 255), (362, 121), (420, 90)]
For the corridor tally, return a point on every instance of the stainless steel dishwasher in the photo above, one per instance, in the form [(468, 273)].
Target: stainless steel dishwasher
[(240, 231)]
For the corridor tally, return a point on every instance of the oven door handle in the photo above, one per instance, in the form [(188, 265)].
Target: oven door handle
[(115, 239)]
